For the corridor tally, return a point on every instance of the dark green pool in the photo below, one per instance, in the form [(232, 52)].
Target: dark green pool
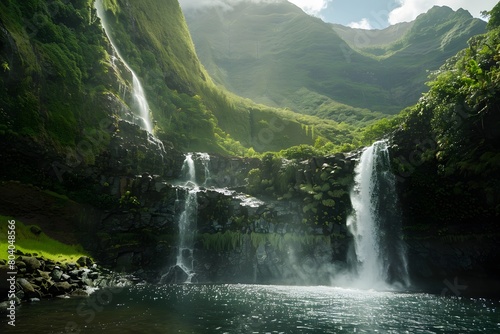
[(257, 309)]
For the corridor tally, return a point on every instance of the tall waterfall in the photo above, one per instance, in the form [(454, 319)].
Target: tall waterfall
[(188, 220), (376, 223), (141, 103), (187, 232)]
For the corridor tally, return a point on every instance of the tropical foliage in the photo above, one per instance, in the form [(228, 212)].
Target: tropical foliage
[(448, 153)]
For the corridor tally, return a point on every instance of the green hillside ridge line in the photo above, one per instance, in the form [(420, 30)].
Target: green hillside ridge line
[(270, 51)]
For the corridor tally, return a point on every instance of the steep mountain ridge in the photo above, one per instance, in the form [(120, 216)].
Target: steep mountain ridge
[(278, 55), (361, 38)]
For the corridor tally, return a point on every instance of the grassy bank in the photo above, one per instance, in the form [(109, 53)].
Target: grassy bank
[(30, 239)]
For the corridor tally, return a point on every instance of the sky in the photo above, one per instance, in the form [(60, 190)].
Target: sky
[(366, 14), (369, 14)]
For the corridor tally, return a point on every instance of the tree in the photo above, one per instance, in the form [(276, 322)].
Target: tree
[(494, 17)]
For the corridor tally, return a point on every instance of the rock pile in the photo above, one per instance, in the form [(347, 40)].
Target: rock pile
[(38, 278)]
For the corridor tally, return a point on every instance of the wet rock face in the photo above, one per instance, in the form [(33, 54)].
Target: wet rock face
[(459, 268), (133, 151), (141, 234)]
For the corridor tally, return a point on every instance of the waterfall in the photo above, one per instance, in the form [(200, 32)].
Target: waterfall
[(205, 161), (187, 233), (188, 169), (376, 223), (184, 266), (141, 103)]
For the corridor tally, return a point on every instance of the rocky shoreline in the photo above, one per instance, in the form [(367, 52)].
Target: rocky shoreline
[(38, 278)]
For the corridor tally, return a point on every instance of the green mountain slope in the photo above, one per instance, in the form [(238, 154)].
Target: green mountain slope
[(188, 108), (274, 53), (59, 81)]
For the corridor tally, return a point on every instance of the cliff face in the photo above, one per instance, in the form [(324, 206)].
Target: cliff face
[(446, 156)]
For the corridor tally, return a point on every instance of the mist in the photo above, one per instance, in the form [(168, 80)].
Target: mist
[(224, 4)]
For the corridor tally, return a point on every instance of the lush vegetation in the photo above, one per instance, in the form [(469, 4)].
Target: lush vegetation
[(448, 153), (31, 240), (53, 71)]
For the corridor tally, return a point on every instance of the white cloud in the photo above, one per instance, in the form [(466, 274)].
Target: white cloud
[(313, 7), (363, 24), (410, 9)]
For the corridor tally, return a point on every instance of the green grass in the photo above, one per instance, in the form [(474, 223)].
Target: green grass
[(41, 244)]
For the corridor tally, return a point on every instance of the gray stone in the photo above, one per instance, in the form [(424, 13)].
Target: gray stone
[(44, 274), (60, 288), (70, 266), (32, 263), (84, 261), (20, 264), (75, 273), (56, 274), (25, 285)]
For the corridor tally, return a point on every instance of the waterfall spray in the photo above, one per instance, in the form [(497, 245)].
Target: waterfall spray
[(376, 222)]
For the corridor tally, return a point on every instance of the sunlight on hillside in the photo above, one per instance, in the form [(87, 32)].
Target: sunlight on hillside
[(27, 241)]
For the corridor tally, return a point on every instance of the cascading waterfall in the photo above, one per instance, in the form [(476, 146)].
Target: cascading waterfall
[(188, 218), (376, 223), (141, 102), (205, 161), (187, 231), (188, 170)]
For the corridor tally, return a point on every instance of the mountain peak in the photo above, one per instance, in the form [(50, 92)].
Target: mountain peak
[(445, 12)]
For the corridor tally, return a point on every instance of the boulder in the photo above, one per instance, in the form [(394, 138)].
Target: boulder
[(20, 264), (35, 230), (32, 264), (56, 274), (30, 290), (60, 288), (84, 261), (43, 274), (75, 273), (25, 285)]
